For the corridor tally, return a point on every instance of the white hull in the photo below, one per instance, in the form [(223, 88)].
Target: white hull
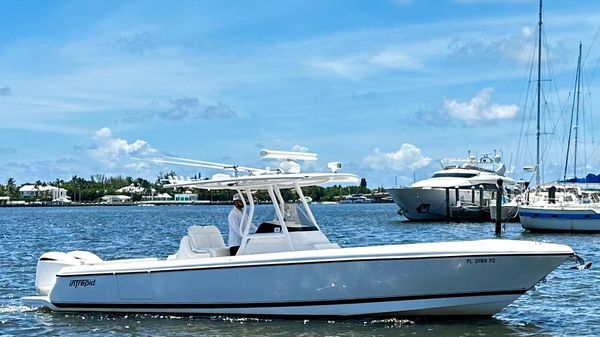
[(429, 204), (560, 219), (475, 278), (421, 204), (508, 213), (457, 306)]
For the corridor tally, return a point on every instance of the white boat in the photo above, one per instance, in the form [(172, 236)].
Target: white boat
[(355, 199), (462, 182), (568, 209), (564, 207), (289, 267), (561, 218)]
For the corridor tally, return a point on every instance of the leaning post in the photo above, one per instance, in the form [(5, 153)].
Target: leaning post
[(499, 190)]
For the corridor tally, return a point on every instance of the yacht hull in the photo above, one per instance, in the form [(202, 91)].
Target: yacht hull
[(429, 204), (421, 204), (419, 279), (584, 220)]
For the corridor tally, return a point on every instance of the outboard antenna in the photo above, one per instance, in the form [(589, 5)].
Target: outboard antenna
[(288, 155)]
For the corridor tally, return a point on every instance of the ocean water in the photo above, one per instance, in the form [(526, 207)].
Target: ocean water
[(567, 303)]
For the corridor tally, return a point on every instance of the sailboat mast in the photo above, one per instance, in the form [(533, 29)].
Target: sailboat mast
[(578, 79), (539, 89)]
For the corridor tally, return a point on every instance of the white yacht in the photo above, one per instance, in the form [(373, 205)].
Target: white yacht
[(289, 267), (462, 182), (355, 199)]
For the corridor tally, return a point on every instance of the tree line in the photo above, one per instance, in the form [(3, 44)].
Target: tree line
[(93, 189)]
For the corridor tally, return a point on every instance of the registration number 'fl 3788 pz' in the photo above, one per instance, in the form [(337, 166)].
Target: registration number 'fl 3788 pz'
[(481, 260)]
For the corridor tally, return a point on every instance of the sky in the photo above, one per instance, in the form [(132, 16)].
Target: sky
[(386, 87)]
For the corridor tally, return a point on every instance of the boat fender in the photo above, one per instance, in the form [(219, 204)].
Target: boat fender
[(581, 264), (49, 264)]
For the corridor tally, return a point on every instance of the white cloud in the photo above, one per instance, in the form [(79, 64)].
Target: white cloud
[(113, 152), (407, 157), (342, 67), (513, 48), (102, 133), (362, 64), (299, 148), (395, 59), (479, 108)]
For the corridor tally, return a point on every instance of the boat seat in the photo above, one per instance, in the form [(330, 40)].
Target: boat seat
[(201, 242)]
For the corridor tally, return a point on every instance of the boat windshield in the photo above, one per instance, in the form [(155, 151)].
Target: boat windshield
[(296, 219), (454, 175)]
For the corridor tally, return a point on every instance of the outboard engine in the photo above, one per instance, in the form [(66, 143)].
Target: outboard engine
[(49, 264)]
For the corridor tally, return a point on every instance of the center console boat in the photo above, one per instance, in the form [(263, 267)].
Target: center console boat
[(288, 267)]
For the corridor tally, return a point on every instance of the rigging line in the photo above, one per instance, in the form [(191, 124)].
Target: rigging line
[(575, 86), (585, 132), (524, 103), (594, 71), (561, 116), (569, 139), (551, 71), (587, 99), (578, 88), (526, 85), (591, 45), (591, 117)]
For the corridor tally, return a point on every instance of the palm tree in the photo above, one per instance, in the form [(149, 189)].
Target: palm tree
[(11, 187)]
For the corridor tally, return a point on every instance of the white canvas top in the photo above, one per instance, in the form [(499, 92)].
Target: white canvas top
[(264, 181)]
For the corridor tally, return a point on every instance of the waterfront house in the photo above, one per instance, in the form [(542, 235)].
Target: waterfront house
[(34, 191), (159, 197), (186, 197)]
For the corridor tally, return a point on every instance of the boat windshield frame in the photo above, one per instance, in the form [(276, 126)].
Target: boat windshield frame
[(273, 184)]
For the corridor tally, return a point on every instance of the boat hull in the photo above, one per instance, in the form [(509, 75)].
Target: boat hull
[(577, 220), (357, 283), (509, 213), (429, 204)]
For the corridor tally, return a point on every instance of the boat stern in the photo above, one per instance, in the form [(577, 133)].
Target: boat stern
[(38, 302)]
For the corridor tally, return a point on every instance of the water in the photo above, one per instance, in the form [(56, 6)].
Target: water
[(567, 304)]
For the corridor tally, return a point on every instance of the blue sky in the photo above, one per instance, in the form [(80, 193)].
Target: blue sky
[(387, 87)]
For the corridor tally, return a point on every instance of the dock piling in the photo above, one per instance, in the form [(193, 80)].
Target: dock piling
[(448, 203), (499, 190), (480, 195)]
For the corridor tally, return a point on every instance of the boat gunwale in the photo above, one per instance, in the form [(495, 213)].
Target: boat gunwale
[(263, 264)]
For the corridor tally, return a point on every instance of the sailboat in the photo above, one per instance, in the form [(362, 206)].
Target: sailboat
[(564, 208)]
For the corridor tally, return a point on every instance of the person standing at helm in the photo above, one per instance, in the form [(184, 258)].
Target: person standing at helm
[(235, 224)]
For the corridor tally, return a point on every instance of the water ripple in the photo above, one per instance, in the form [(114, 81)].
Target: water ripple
[(566, 304)]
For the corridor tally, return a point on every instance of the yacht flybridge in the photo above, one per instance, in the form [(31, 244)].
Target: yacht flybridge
[(289, 267)]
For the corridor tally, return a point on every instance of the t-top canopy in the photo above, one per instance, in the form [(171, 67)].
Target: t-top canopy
[(262, 182)]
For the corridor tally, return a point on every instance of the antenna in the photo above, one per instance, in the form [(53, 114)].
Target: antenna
[(288, 155)]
